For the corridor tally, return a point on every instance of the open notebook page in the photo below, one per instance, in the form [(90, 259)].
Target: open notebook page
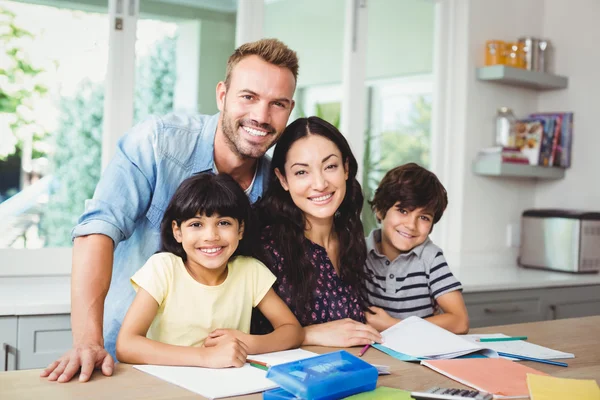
[(520, 347), (418, 338)]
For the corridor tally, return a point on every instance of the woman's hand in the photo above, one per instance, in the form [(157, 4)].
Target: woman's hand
[(341, 333), (224, 350), (380, 319)]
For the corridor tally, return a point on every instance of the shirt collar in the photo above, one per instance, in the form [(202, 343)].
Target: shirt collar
[(375, 237)]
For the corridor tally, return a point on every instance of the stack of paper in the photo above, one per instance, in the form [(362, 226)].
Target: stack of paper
[(550, 388), (503, 378), (521, 348), (420, 339)]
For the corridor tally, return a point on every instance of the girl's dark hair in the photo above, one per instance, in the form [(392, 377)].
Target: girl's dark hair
[(208, 194), (414, 187), (288, 222)]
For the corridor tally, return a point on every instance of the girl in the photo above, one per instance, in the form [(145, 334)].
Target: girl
[(314, 236), (194, 299)]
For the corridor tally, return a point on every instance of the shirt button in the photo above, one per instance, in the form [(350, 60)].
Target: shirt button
[(391, 276), (387, 262)]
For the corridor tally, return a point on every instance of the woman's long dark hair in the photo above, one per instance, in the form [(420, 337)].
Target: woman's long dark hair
[(208, 194), (287, 222)]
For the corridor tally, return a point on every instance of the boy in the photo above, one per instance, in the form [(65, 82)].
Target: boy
[(408, 274)]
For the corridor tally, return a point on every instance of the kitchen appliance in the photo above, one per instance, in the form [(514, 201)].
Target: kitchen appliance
[(561, 240)]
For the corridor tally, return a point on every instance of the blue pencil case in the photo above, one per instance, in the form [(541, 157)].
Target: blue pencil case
[(328, 376)]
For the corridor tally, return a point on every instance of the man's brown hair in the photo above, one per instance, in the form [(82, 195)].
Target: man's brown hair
[(272, 51), (414, 187)]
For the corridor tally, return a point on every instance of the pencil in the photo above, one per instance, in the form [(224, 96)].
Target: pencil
[(364, 350), (259, 366), (525, 358), (503, 339), (251, 361)]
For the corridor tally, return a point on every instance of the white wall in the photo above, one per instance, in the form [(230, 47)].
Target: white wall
[(481, 208), (574, 30)]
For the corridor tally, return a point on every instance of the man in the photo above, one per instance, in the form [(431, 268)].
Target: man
[(152, 159)]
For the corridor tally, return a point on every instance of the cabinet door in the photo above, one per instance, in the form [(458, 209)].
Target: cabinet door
[(42, 339), (503, 307), (8, 343), (573, 302)]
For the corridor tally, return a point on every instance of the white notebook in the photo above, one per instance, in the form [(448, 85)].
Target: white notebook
[(520, 347), (418, 338)]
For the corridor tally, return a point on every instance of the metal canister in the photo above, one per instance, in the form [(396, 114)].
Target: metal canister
[(531, 47), (545, 59)]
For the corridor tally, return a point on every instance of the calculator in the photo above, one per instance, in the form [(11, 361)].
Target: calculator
[(451, 394)]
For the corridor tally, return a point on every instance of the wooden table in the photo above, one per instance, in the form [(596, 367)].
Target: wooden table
[(580, 336)]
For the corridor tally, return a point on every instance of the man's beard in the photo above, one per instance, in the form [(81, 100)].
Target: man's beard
[(235, 142)]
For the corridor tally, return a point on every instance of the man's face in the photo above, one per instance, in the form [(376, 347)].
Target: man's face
[(256, 106)]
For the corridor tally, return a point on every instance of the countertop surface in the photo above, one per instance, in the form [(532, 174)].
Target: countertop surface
[(511, 277), (38, 295)]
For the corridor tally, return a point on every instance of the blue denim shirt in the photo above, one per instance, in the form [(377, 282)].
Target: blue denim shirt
[(151, 160)]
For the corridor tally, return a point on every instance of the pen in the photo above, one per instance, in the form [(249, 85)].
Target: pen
[(364, 350), (519, 357), (502, 339)]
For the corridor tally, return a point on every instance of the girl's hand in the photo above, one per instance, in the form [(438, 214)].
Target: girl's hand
[(225, 351), (380, 319), (341, 333), (218, 334)]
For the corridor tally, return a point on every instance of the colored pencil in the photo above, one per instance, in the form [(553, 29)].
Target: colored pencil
[(364, 350), (502, 339), (525, 358), (251, 361)]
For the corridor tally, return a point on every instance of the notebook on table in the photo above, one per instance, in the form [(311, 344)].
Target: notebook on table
[(503, 378), (551, 388), (520, 347), (415, 339)]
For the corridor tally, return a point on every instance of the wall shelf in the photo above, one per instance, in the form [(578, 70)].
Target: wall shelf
[(494, 167), (521, 77)]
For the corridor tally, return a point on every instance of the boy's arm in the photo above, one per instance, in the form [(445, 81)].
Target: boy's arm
[(455, 317), (135, 348), (287, 333)]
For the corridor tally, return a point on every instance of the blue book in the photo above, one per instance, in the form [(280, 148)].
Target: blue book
[(328, 376)]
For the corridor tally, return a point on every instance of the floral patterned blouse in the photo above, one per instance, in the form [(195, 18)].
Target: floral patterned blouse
[(332, 298)]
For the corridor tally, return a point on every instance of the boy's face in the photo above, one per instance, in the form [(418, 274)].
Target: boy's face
[(402, 229)]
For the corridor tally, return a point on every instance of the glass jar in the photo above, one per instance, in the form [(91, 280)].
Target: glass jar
[(515, 55), (505, 122), (495, 52)]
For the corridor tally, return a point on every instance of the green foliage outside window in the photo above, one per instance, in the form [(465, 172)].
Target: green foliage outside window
[(78, 141)]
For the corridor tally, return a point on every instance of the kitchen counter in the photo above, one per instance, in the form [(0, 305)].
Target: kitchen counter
[(511, 277), (37, 295)]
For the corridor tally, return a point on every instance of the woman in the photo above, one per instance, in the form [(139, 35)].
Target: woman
[(313, 235)]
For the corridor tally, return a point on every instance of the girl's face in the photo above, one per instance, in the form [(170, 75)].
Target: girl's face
[(315, 176), (209, 242)]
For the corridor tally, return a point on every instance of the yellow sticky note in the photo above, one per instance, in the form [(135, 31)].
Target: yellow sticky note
[(382, 393), (551, 388)]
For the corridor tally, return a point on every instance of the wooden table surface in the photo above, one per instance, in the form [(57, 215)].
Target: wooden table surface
[(580, 336)]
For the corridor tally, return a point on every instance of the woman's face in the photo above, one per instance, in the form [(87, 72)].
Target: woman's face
[(315, 176)]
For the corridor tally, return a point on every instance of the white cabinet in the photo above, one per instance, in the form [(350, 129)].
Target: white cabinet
[(42, 339), (8, 341), (530, 305), (33, 341)]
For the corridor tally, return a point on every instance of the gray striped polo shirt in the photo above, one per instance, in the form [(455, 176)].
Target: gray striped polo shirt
[(409, 284)]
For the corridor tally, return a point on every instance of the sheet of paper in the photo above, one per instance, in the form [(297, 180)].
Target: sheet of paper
[(213, 383), (419, 338), (282, 357), (503, 378), (551, 388), (520, 347)]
